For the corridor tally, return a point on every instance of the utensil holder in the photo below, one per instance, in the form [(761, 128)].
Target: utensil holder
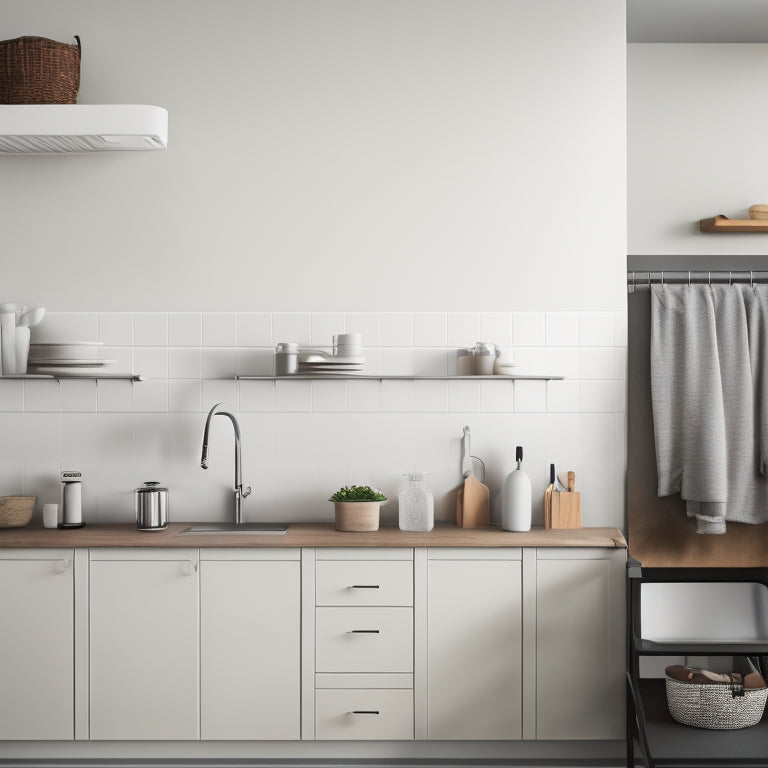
[(562, 509)]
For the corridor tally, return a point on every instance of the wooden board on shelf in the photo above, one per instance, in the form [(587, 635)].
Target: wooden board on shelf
[(724, 224)]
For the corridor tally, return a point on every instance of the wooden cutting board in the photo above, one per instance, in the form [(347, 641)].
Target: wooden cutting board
[(476, 506)]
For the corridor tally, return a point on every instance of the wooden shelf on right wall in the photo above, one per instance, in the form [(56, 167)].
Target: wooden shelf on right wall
[(724, 224)]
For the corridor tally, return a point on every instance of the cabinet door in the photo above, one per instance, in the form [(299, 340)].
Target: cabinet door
[(144, 646), (580, 655), (250, 614), (474, 641), (37, 645)]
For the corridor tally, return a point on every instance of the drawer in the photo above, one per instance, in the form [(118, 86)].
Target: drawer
[(364, 714), (364, 640), (364, 582)]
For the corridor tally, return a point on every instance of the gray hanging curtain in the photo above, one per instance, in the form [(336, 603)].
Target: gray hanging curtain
[(709, 351)]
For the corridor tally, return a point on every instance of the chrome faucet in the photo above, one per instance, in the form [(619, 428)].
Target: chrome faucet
[(221, 409)]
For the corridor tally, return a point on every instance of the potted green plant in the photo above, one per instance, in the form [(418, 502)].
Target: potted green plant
[(356, 508)]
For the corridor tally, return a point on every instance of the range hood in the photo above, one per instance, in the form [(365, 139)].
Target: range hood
[(36, 128)]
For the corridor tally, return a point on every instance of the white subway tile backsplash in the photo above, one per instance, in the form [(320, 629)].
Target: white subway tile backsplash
[(292, 326), (254, 329), (367, 323), (116, 329), (529, 329), (430, 396), (42, 479), (151, 396), (562, 361), (184, 363), (42, 395), (50, 329), (396, 329), (219, 391), (151, 361), (150, 329), (257, 396), (562, 329), (293, 395), (596, 329), (464, 396), (11, 395), (219, 363), (219, 329), (496, 327), (530, 396), (430, 329), (597, 396), (78, 395), (397, 362), (563, 396), (430, 362), (185, 395), (12, 479), (329, 396), (597, 363), (363, 396), (397, 396), (185, 329), (324, 326), (114, 396), (123, 432), (80, 326), (463, 329)]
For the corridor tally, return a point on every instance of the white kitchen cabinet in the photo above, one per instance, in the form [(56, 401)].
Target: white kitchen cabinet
[(144, 644), (37, 644), (474, 644), (580, 643), (250, 624)]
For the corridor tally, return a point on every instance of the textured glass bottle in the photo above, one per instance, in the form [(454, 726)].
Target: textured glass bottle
[(416, 505)]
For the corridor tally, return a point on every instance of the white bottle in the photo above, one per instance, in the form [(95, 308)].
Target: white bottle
[(417, 507), (516, 498)]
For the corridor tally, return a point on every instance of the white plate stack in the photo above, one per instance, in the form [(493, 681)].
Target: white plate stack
[(325, 364), (78, 358)]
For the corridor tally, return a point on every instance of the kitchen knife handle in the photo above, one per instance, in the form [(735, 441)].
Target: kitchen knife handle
[(571, 481)]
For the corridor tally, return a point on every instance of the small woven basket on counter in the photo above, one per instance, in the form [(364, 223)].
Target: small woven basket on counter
[(717, 706), (16, 511), (37, 70)]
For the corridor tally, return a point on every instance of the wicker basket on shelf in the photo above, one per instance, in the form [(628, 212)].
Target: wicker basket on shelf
[(16, 511), (37, 70), (703, 701)]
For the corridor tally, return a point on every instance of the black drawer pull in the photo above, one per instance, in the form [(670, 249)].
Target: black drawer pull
[(363, 632), (364, 712), (364, 586)]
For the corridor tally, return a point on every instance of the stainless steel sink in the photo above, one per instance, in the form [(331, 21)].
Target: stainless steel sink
[(243, 528)]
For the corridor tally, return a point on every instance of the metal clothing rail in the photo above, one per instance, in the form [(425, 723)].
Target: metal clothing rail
[(639, 279)]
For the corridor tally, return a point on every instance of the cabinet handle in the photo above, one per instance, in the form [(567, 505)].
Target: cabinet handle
[(188, 567), (64, 564), (363, 632), (364, 712), (363, 586)]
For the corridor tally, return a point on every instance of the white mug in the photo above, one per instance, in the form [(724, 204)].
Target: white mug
[(50, 515)]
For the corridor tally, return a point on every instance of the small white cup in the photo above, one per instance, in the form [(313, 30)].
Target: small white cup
[(50, 515)]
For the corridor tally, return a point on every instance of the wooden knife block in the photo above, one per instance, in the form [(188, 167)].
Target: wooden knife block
[(562, 509)]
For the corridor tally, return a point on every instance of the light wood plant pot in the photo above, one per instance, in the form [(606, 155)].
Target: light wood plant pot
[(357, 515)]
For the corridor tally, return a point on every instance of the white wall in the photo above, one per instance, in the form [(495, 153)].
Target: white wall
[(430, 172), (333, 155), (696, 125)]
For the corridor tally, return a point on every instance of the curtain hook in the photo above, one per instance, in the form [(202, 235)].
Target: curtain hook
[(662, 277), (751, 278), (709, 279), (730, 278), (689, 277)]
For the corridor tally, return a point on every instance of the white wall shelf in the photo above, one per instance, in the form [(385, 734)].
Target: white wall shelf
[(64, 376), (355, 377)]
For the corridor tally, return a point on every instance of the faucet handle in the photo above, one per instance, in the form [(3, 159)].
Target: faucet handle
[(245, 491)]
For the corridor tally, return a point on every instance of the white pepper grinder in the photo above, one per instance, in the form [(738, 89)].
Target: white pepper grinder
[(516, 498)]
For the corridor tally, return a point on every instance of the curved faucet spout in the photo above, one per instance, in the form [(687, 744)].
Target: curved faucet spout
[(222, 409)]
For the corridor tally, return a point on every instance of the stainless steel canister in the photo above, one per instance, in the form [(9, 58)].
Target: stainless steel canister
[(151, 507)]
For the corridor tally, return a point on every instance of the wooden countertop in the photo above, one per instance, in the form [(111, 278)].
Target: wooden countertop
[(307, 535)]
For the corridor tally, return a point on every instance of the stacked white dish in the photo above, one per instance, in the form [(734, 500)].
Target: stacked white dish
[(325, 364), (79, 358)]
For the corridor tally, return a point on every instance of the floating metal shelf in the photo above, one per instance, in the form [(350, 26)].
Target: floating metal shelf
[(366, 377), (66, 376)]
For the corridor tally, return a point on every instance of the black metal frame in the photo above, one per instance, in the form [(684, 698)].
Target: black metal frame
[(637, 575)]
